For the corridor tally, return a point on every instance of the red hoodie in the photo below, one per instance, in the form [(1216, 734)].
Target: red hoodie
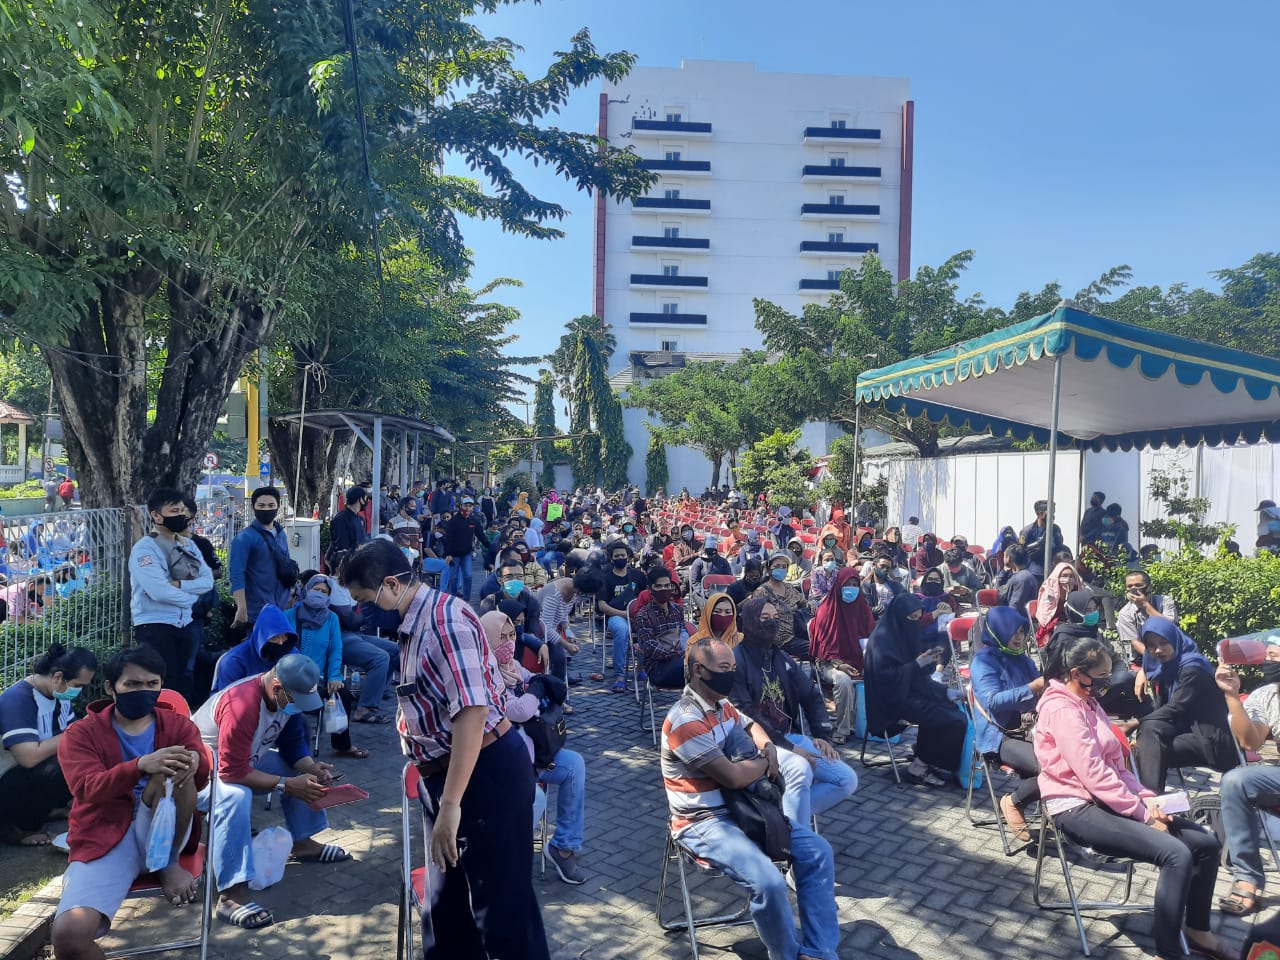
[(102, 783)]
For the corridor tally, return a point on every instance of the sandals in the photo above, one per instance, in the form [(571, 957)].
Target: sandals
[(371, 715), (329, 853), (619, 686), (1014, 819), (250, 916), (354, 753), (17, 838), (926, 779), (1240, 902)]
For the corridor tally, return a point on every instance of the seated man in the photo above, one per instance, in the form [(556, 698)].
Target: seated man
[(622, 583), (1142, 605), (256, 729), (364, 649), (771, 688), (1020, 585), (959, 579), (752, 577), (1248, 791), (661, 633), (117, 761), (700, 734), (709, 561)]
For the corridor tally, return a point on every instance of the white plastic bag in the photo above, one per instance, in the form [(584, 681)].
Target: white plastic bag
[(335, 716), (163, 823), (270, 853)]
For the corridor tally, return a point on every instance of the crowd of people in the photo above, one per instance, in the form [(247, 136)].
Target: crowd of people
[(783, 635)]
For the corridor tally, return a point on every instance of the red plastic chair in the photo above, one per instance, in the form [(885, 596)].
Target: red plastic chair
[(988, 598), (958, 633)]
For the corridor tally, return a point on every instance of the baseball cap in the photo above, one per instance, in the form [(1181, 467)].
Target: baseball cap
[(1265, 504), (468, 500), (300, 677), (710, 542)]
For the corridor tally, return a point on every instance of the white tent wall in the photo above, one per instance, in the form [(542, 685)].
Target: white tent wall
[(977, 494)]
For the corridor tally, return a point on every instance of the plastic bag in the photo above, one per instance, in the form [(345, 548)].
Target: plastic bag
[(164, 821), (335, 716), (271, 850)]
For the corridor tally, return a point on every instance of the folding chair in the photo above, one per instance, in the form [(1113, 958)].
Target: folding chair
[(413, 880), (958, 631), (195, 859), (888, 739), (686, 862), (988, 598), (976, 761), (644, 688)]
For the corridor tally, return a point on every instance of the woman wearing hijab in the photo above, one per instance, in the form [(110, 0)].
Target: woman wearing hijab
[(751, 549), (1006, 538), (793, 618), (835, 538), (893, 547), (842, 622), (533, 536), (1006, 684), (719, 620), (824, 575), (1188, 725), (320, 639), (935, 602), (568, 771), (1053, 593), (898, 686)]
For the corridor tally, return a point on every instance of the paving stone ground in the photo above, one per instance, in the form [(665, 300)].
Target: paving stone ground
[(913, 878)]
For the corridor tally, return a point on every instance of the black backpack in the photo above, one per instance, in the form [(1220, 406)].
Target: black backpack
[(287, 570), (548, 732)]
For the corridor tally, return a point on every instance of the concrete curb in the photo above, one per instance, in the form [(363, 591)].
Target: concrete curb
[(25, 932)]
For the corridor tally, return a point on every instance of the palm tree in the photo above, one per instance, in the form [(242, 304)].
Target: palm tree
[(580, 366)]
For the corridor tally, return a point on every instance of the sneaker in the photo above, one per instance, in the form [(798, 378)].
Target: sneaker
[(565, 863)]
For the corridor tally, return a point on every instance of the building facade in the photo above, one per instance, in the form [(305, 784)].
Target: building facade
[(769, 185)]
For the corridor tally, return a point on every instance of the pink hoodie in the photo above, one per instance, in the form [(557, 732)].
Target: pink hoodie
[(1080, 756)]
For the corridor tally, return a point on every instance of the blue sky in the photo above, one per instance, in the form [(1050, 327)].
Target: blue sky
[(1055, 140)]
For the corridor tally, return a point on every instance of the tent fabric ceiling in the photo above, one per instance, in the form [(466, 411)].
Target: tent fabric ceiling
[(1122, 386)]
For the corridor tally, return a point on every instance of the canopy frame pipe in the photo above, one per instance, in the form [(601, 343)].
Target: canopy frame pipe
[(857, 445), (1053, 461)]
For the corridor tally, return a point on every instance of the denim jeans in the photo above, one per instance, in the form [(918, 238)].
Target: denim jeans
[(620, 633), (1244, 791), (458, 578), (812, 788), (570, 778), (373, 657), (721, 843), (232, 822)]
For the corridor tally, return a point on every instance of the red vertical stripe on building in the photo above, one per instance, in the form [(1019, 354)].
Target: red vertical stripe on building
[(602, 130), (904, 190)]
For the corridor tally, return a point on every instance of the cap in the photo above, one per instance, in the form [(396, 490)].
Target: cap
[(1265, 504), (300, 677), (355, 493), (784, 511), (468, 500)]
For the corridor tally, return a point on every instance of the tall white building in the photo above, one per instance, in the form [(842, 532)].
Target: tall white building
[(770, 185)]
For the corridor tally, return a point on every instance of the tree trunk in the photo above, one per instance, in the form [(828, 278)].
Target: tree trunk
[(715, 470), (101, 378)]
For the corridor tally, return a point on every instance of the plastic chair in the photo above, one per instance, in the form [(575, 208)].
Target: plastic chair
[(958, 631), (976, 761), (1032, 606), (988, 598), (887, 738)]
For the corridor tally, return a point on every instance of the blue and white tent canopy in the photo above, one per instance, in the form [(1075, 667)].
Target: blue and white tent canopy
[(1121, 386)]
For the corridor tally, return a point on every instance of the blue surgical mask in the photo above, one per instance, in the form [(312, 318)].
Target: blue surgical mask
[(849, 594), (1092, 617), (68, 694), (513, 588), (778, 573)]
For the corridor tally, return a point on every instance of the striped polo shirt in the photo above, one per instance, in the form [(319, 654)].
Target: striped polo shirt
[(694, 734)]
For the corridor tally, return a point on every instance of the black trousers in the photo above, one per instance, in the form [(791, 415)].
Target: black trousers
[(175, 645), (28, 794), (1162, 746), (486, 908), (1187, 857), (1020, 756)]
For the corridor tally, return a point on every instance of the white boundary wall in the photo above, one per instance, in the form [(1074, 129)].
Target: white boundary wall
[(977, 494)]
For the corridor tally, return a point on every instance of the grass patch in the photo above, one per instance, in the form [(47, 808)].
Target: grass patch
[(25, 871)]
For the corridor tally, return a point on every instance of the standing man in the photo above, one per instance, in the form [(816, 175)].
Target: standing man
[(257, 575), (50, 495), (1033, 536), (67, 491), (347, 530), (1091, 522), (477, 777), (167, 575), (911, 533), (463, 531)]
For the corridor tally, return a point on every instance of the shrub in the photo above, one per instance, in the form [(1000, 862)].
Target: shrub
[(1220, 597), (28, 488), (91, 617)]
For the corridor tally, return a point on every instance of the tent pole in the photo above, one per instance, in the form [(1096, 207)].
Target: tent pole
[(857, 442), (1053, 461), (376, 482)]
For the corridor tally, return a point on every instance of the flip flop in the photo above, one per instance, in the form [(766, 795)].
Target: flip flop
[(926, 779), (355, 753), (372, 716), (329, 853), (250, 916)]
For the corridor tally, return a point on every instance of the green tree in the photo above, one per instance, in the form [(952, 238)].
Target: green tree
[(24, 382), (774, 465), (1184, 514), (544, 425), (170, 175), (580, 366), (656, 473)]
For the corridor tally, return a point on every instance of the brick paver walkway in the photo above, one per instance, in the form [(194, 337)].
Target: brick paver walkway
[(913, 879)]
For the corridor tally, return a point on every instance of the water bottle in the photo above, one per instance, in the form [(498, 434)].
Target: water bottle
[(355, 682)]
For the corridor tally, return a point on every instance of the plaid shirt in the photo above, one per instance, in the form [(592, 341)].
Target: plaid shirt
[(657, 632), (445, 666)]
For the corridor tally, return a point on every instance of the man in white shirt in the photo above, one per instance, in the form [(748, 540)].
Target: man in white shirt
[(911, 532), (1142, 605)]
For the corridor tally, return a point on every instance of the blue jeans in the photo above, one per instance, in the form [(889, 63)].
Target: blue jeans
[(570, 777), (619, 633), (458, 579), (373, 657), (721, 843), (1244, 791), (232, 826), (812, 788)]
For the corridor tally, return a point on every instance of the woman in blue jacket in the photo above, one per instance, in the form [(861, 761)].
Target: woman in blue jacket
[(1006, 684), (321, 639)]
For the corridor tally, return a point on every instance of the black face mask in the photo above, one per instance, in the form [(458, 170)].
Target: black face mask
[(1271, 671), (176, 524), (620, 564), (136, 704), (272, 652), (931, 588), (763, 632), (1097, 687), (266, 517), (721, 683)]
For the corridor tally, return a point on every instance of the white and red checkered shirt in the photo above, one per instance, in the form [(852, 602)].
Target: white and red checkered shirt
[(445, 666)]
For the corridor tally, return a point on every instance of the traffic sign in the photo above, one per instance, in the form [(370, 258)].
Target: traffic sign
[(210, 461), (49, 465)]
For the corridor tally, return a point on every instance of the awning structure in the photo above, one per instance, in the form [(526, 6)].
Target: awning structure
[(1122, 386), (1072, 378)]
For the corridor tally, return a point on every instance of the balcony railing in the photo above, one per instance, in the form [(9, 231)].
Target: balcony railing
[(819, 171), (842, 134), (672, 243), (823, 284), (685, 127), (866, 210), (663, 280), (834, 246), (684, 319), (666, 203), (676, 166)]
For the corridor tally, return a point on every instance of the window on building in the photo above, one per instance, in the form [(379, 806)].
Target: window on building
[(671, 231), (670, 269), (671, 193), (835, 236), (838, 159), (834, 274), (671, 346), (836, 199), (839, 123), (672, 156), (674, 117), (670, 306)]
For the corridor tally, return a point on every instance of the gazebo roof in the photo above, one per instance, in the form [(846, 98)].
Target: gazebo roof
[(11, 414)]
